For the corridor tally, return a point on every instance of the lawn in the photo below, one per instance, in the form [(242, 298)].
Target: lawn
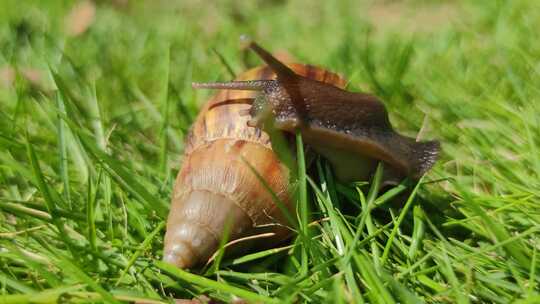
[(96, 102)]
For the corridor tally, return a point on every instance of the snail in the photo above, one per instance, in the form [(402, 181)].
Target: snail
[(351, 130), (217, 189)]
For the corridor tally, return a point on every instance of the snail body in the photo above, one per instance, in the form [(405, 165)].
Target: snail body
[(350, 129), (216, 189)]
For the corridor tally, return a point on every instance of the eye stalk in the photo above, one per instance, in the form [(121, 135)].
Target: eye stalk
[(261, 109), (274, 94), (250, 85), (283, 73)]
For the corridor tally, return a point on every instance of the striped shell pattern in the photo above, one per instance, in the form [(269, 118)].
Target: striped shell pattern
[(217, 191)]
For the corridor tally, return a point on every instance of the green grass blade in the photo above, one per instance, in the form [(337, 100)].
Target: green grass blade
[(303, 208), (144, 246), (402, 214), (164, 98), (82, 277), (62, 149), (202, 281)]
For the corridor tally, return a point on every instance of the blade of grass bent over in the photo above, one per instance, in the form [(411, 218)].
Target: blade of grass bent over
[(202, 281)]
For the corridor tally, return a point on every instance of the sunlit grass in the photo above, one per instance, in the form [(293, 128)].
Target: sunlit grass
[(92, 129)]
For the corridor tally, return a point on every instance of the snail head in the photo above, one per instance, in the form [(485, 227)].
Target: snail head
[(277, 96)]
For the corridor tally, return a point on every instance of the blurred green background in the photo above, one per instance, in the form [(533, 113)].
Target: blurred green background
[(95, 102)]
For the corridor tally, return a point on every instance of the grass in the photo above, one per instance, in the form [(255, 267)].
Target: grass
[(92, 128)]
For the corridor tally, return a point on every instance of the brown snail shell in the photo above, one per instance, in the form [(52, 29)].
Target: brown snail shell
[(215, 187)]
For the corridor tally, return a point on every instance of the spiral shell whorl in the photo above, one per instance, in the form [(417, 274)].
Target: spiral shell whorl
[(215, 185), (194, 232), (218, 186)]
